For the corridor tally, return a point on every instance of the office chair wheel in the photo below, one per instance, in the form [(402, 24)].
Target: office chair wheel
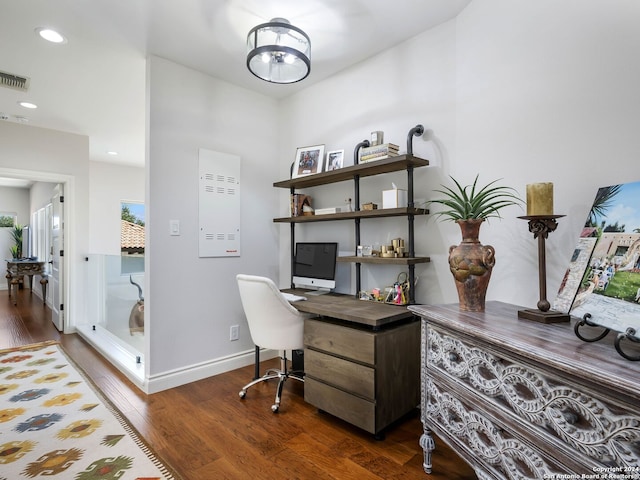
[(275, 408), (243, 393)]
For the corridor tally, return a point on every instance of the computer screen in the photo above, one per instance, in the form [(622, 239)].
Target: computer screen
[(314, 265)]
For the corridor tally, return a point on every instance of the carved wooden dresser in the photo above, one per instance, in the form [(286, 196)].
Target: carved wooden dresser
[(517, 399)]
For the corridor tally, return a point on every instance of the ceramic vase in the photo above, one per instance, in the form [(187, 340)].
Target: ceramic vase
[(471, 264)]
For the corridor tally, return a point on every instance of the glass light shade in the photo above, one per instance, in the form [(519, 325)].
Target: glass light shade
[(278, 52)]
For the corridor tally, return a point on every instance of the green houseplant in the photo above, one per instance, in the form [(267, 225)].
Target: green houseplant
[(16, 235), (471, 262)]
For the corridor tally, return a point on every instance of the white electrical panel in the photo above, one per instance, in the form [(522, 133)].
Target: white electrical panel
[(219, 204)]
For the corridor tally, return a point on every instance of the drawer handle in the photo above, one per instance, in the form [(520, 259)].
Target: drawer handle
[(570, 417)]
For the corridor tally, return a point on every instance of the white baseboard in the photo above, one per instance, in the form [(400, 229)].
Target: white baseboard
[(192, 373), (123, 357)]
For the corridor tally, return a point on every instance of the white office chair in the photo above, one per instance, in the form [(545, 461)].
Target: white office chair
[(273, 324)]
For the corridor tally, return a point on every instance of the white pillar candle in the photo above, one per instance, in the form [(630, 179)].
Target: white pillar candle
[(540, 199)]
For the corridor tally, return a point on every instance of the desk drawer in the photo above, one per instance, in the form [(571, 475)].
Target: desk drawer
[(352, 409), (349, 376), (347, 342)]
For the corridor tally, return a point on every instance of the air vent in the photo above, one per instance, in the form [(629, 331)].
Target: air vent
[(15, 82)]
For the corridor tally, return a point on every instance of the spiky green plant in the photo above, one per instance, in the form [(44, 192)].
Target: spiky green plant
[(473, 202), (16, 235)]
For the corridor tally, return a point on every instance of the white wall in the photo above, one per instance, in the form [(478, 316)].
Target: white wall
[(522, 91), (111, 184), (547, 91), (51, 156), (193, 301), (40, 195)]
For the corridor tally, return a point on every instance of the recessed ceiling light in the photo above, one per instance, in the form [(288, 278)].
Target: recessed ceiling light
[(112, 152), (51, 35), (28, 105)]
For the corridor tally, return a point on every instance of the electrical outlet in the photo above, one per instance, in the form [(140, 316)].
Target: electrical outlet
[(234, 332)]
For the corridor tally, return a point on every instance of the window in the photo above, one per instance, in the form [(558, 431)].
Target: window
[(7, 219), (132, 237)]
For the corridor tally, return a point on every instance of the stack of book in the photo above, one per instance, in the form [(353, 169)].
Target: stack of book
[(378, 152)]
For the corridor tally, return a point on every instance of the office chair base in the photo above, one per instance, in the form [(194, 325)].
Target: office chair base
[(281, 374)]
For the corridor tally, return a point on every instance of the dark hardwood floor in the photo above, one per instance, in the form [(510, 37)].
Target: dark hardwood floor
[(205, 432)]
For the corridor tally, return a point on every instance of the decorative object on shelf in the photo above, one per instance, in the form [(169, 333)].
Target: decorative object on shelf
[(394, 198), (335, 160), (397, 249), (298, 202), (541, 226), (328, 210), (471, 262), (416, 131), (369, 206), (309, 160), (377, 137), (356, 152), (602, 282), (278, 52), (378, 152), (396, 294)]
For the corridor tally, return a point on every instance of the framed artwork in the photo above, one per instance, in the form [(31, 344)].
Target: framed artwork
[(309, 160), (603, 278), (335, 160)]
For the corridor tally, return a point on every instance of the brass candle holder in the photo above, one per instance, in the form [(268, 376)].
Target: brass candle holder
[(541, 226)]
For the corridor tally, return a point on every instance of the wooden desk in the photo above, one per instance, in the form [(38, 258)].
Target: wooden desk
[(349, 309), (17, 269), (361, 359), (521, 399)]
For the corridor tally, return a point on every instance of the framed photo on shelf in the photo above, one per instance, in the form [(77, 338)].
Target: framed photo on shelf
[(309, 160), (335, 160)]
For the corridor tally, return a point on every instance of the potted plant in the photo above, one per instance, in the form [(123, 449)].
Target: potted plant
[(471, 262), (16, 235)]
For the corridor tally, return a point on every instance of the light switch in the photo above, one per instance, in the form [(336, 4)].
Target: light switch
[(174, 227)]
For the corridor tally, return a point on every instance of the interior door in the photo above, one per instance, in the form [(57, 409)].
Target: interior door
[(56, 283)]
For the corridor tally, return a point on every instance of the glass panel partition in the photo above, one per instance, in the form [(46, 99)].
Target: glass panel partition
[(116, 311)]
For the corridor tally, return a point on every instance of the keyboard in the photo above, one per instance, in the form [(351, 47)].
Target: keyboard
[(293, 298)]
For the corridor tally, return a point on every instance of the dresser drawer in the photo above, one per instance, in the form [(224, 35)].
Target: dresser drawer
[(572, 418), (350, 408), (478, 438), (344, 374), (352, 343)]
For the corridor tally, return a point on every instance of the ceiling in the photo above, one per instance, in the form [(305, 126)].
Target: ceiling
[(94, 84)]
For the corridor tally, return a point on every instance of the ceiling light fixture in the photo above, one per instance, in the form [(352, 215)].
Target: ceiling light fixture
[(112, 153), (28, 105), (278, 52), (51, 35)]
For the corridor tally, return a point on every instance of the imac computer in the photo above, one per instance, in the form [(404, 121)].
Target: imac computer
[(314, 266)]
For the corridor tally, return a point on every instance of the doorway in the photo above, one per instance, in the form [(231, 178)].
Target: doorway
[(67, 210)]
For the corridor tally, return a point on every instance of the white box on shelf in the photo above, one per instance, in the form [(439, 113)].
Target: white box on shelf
[(328, 210), (395, 198)]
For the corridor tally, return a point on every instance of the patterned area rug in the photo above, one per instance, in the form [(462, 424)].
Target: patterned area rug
[(55, 424)]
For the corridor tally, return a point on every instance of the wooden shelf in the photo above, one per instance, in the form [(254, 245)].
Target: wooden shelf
[(388, 165), (384, 261), (384, 212)]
